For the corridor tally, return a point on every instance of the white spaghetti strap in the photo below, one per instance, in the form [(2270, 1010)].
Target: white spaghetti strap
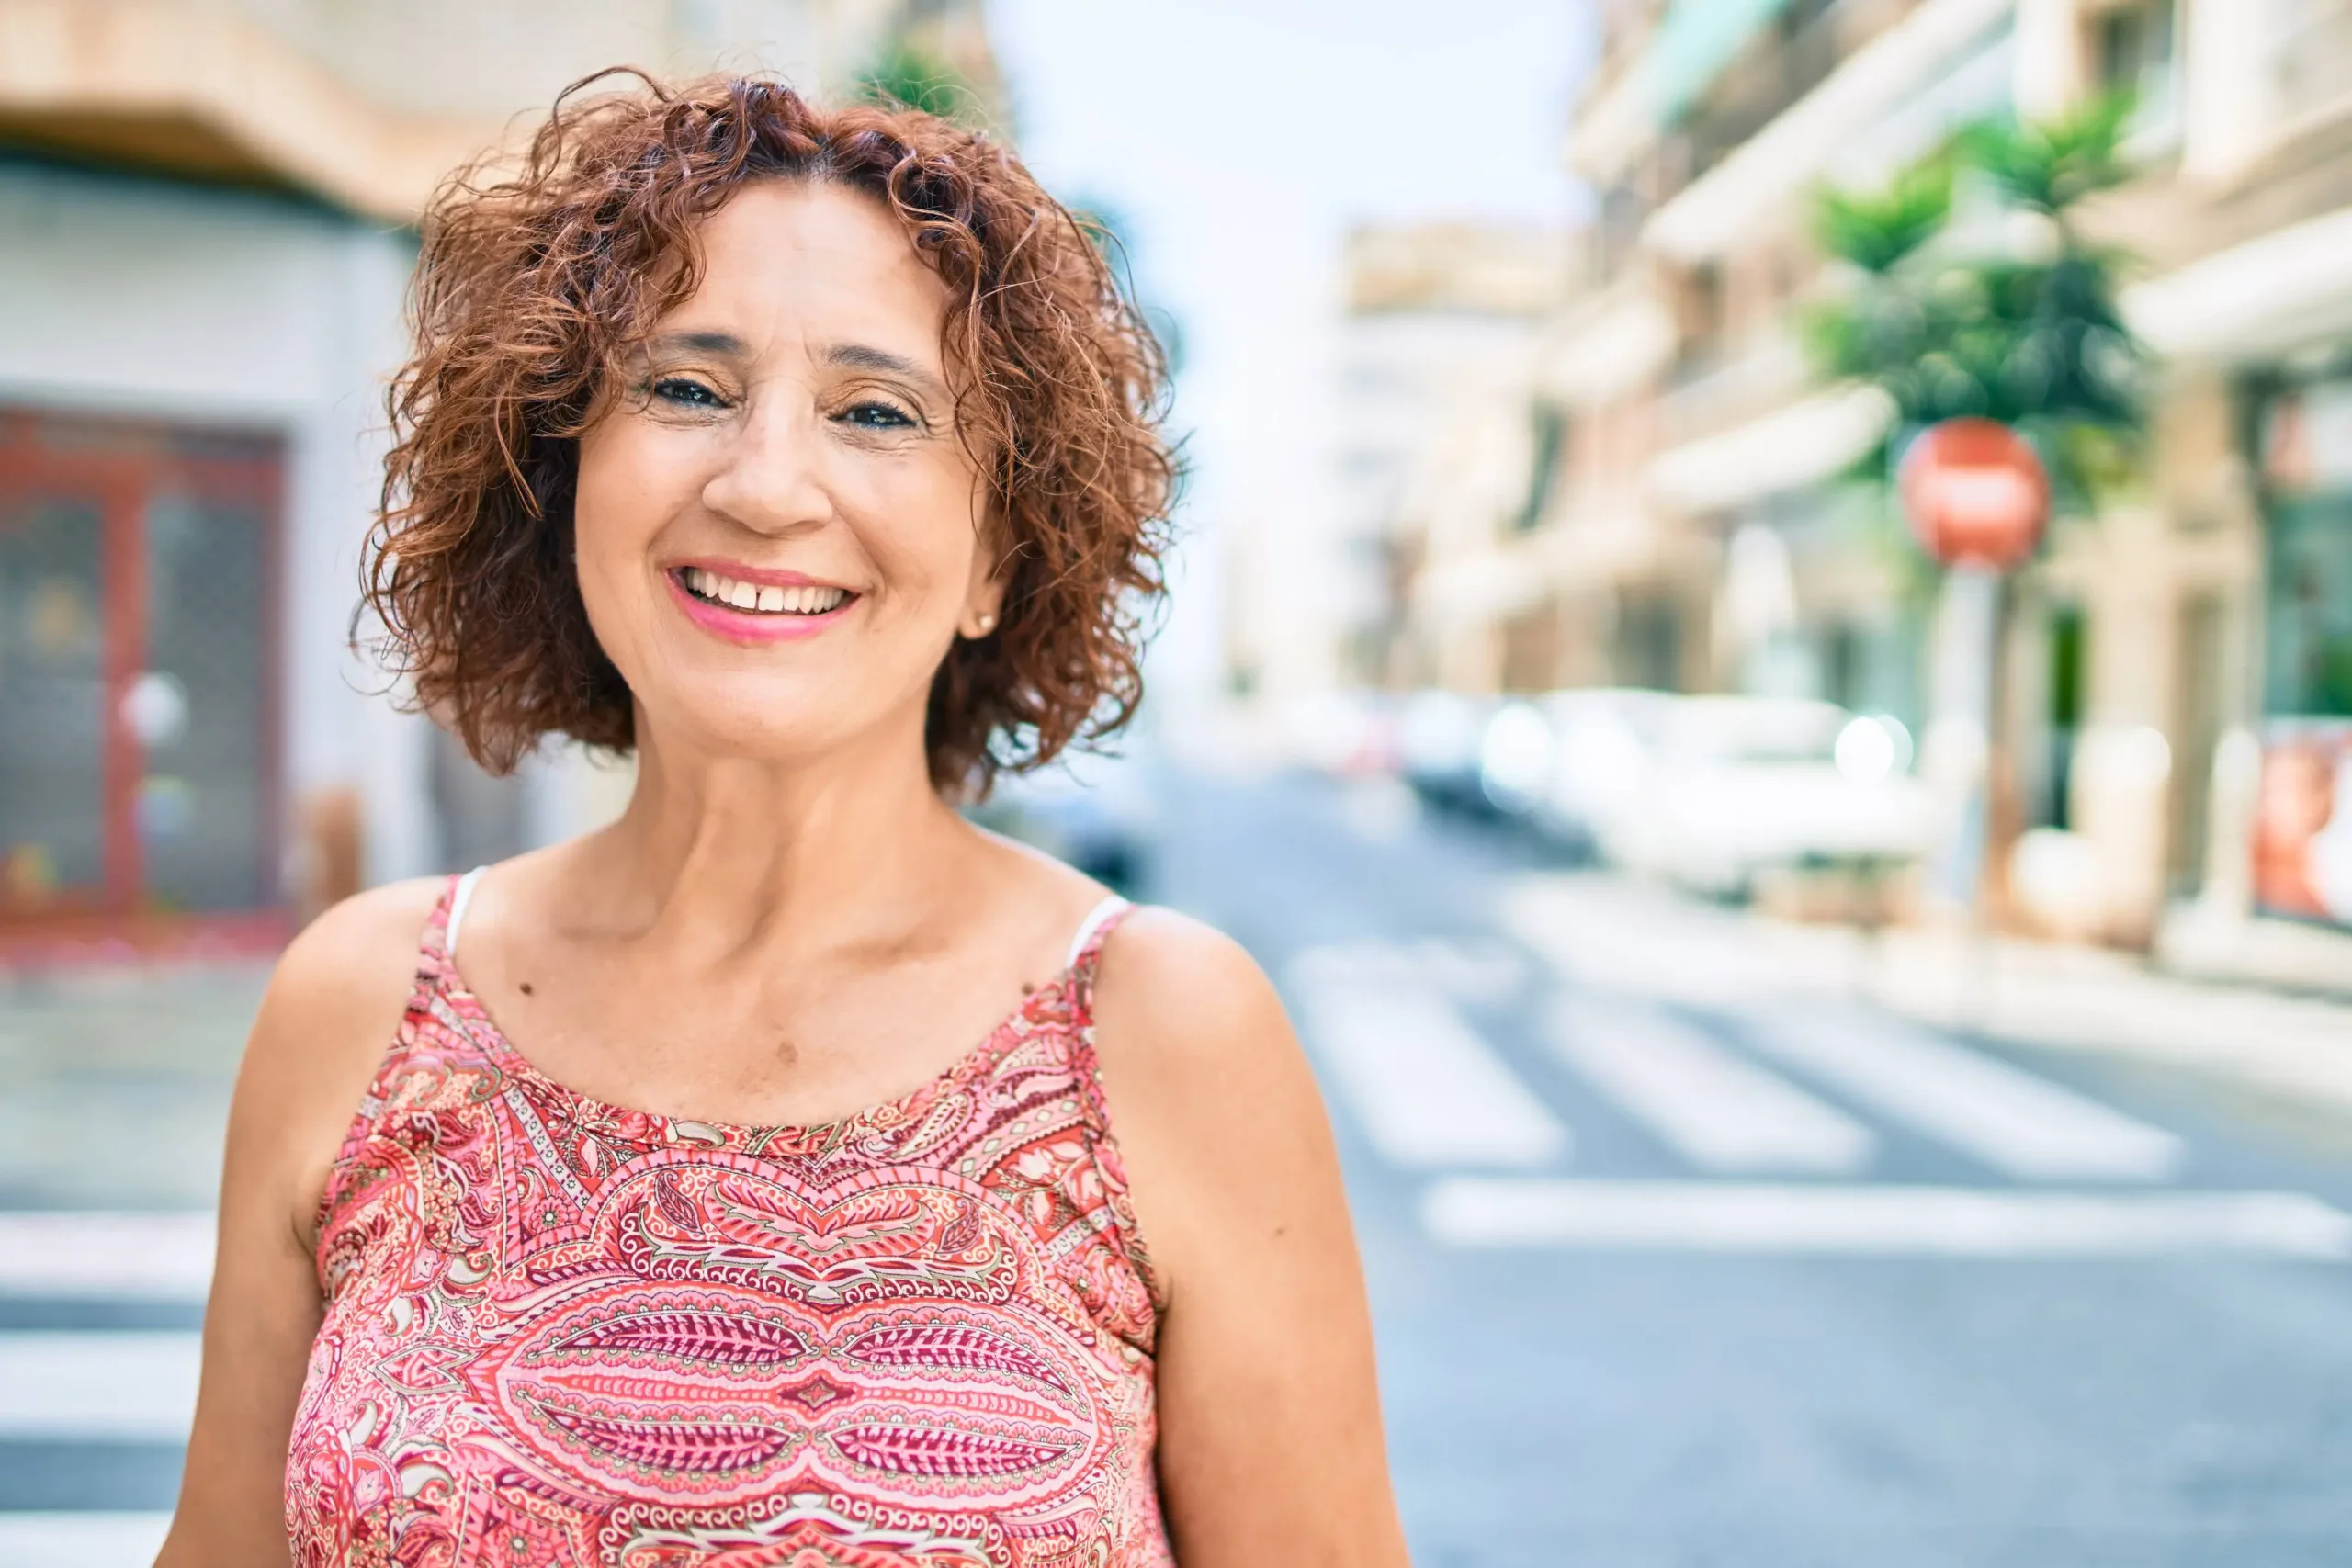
[(457, 902), (1093, 923)]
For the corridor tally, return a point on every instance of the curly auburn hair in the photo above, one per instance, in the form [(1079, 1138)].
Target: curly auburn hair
[(533, 291)]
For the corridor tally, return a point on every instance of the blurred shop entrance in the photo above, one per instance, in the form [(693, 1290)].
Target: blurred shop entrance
[(139, 733), (2303, 828)]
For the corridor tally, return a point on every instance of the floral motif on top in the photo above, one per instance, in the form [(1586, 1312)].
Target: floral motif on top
[(558, 1332)]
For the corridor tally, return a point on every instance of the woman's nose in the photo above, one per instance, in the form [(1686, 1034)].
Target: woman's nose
[(773, 481)]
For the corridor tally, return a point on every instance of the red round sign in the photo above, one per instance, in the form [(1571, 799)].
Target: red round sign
[(1974, 492)]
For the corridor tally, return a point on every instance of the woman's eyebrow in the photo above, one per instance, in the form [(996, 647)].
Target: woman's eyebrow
[(860, 356), (703, 343)]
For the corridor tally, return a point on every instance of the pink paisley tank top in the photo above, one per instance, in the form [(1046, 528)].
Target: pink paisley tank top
[(558, 1332)]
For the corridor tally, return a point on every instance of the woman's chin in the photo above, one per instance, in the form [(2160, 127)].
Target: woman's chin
[(778, 722)]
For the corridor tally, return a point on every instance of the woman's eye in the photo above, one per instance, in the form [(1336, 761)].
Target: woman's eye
[(877, 416), (689, 393)]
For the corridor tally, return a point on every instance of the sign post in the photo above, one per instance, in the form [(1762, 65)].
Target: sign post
[(1977, 497)]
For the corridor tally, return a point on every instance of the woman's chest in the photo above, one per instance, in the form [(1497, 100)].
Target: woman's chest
[(743, 1049), (708, 1334)]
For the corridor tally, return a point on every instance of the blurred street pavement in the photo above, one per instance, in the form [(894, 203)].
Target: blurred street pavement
[(1693, 1238)]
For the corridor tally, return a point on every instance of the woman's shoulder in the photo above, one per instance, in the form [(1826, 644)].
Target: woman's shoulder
[(1160, 962), (1220, 1126), (1184, 1014), (332, 1009), (359, 956)]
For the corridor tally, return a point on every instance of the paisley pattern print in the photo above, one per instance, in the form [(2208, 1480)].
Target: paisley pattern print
[(560, 1332)]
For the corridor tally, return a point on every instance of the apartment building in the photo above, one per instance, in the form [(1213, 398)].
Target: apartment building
[(205, 231), (1702, 531), (1438, 433)]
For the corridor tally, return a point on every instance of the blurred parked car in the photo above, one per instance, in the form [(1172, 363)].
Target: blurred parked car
[(1602, 742), (1735, 786), (1440, 741), (1346, 733), (1099, 813)]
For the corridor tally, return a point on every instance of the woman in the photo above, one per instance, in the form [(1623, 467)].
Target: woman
[(809, 455)]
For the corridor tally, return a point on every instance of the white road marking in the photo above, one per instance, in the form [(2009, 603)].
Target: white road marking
[(128, 1387), (85, 1541), (106, 1255), (1719, 1112), (1428, 1091), (2013, 1121), (1878, 1220)]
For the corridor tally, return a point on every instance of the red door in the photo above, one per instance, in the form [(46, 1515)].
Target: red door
[(138, 747)]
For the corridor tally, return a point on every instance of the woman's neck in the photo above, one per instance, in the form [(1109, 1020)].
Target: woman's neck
[(717, 855)]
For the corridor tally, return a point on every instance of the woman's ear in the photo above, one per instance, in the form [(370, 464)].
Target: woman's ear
[(983, 601), (992, 564)]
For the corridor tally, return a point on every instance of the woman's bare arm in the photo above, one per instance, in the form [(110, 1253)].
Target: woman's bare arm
[(330, 1012), (1271, 1450)]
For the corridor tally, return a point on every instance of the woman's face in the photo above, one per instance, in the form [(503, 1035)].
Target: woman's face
[(779, 532)]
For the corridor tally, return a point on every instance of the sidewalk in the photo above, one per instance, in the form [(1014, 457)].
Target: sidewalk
[(1622, 935), (114, 1084), (2283, 954)]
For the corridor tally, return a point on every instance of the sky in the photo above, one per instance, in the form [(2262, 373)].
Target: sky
[(1237, 140)]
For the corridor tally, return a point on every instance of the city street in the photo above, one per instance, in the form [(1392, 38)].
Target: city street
[(1693, 1240), (1980, 1306)]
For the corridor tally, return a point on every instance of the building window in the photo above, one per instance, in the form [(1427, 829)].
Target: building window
[(1551, 437), (138, 690), (2133, 53), (1703, 320), (1648, 640)]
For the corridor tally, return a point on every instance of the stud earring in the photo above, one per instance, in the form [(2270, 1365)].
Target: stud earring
[(988, 623)]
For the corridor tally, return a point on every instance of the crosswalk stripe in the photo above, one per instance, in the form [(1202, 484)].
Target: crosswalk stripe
[(145, 1257), (1428, 1089), (1880, 1220), (2013, 1121), (1719, 1112), (126, 1387), (85, 1541)]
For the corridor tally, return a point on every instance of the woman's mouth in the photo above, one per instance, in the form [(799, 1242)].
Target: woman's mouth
[(761, 598), (752, 613)]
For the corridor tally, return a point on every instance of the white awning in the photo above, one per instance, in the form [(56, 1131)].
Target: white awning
[(1599, 353), (1791, 448), (2252, 301)]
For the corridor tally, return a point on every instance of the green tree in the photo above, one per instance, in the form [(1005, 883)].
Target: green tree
[(907, 74), (2024, 329)]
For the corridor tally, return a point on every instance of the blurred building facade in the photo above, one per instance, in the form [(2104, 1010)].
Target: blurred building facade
[(207, 214), (1435, 343), (1437, 363), (1702, 532)]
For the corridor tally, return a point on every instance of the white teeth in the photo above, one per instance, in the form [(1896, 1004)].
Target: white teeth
[(770, 599)]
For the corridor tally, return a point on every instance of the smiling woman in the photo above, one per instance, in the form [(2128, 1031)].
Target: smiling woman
[(751, 1195), (537, 302)]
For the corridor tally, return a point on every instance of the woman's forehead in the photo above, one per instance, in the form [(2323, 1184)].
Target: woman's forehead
[(816, 262)]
